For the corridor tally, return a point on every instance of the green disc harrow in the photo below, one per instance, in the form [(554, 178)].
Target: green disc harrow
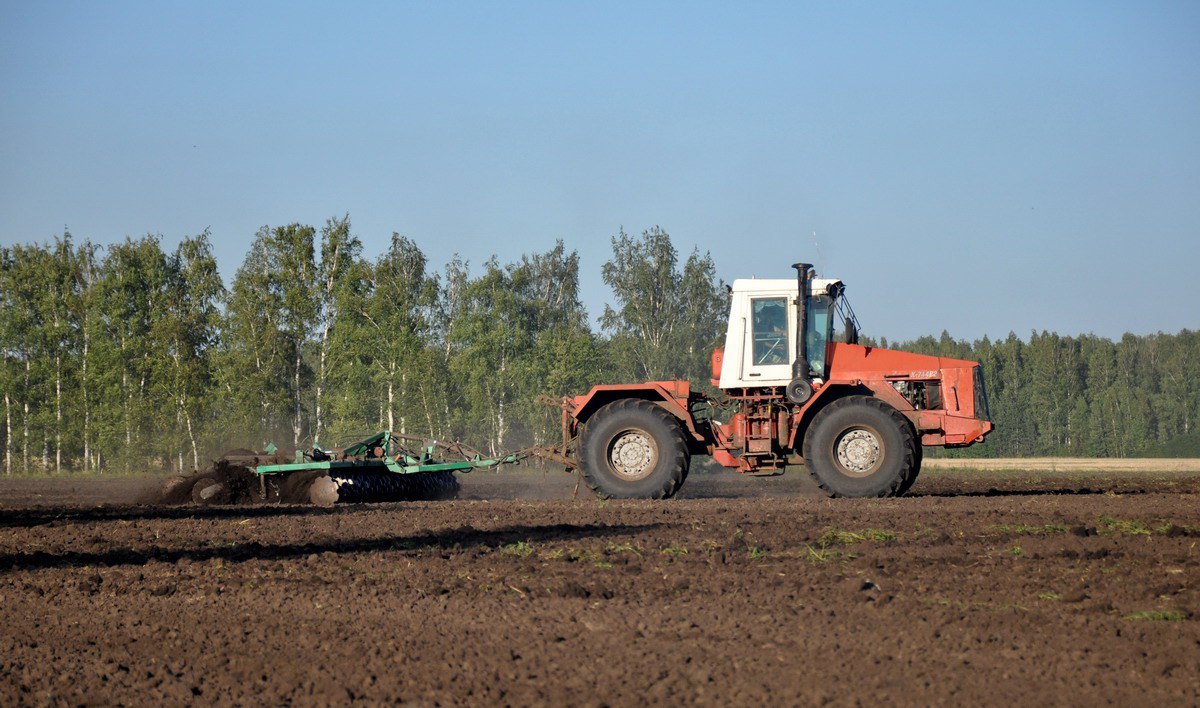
[(383, 467)]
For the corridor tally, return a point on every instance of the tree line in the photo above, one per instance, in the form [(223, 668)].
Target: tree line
[(129, 356), (1085, 396)]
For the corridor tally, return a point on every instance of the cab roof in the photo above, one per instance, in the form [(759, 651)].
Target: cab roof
[(819, 286)]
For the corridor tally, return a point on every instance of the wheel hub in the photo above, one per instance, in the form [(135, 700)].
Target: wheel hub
[(633, 454), (859, 451)]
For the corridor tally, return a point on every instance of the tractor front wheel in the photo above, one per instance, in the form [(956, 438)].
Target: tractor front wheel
[(859, 446), (633, 449), (918, 456)]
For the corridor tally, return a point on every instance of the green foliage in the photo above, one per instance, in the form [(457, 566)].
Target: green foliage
[(615, 548), (821, 555), (837, 537), (340, 374), (667, 321), (256, 355), (1159, 615), (399, 314), (1184, 445), (520, 549), (190, 332), (1128, 527), (132, 299), (1026, 530)]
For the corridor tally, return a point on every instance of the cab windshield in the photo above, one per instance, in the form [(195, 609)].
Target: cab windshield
[(820, 332)]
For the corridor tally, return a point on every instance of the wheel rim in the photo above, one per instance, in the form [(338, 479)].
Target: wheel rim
[(632, 454), (859, 452)]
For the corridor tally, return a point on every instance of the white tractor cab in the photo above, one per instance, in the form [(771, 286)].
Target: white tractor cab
[(760, 344)]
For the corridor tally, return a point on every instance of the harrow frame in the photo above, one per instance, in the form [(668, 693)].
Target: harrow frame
[(375, 454)]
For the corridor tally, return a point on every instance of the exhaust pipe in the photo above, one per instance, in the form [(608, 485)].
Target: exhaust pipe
[(799, 389)]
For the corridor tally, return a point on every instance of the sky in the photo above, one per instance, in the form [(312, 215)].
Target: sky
[(980, 168)]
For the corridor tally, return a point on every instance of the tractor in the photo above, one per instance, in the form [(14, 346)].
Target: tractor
[(857, 417)]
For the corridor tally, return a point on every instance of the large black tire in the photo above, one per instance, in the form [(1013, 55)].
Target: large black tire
[(859, 446), (633, 449)]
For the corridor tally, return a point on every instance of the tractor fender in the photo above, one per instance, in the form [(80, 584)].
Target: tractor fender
[(672, 396)]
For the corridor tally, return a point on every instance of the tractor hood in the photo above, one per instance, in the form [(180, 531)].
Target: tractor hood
[(960, 382), (853, 361)]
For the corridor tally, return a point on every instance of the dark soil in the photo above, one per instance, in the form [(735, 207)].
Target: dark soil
[(974, 589)]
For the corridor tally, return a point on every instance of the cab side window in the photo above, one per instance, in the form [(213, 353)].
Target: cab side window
[(769, 324)]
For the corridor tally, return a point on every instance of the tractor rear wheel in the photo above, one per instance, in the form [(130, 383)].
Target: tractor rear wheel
[(859, 446), (633, 449)]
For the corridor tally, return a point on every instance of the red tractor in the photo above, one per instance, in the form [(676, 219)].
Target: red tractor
[(855, 416)]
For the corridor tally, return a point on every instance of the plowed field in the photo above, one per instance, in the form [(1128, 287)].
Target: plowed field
[(979, 588)]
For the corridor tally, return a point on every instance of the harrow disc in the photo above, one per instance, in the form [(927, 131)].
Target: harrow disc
[(357, 487), (229, 483)]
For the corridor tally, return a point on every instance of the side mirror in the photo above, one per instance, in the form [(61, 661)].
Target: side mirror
[(851, 333)]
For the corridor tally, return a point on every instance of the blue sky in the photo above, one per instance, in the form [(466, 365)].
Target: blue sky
[(975, 167)]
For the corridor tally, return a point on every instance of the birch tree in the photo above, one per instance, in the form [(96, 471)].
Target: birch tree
[(340, 276), (400, 314), (666, 321), (9, 349), (189, 333), (255, 360), (297, 284), (131, 298)]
